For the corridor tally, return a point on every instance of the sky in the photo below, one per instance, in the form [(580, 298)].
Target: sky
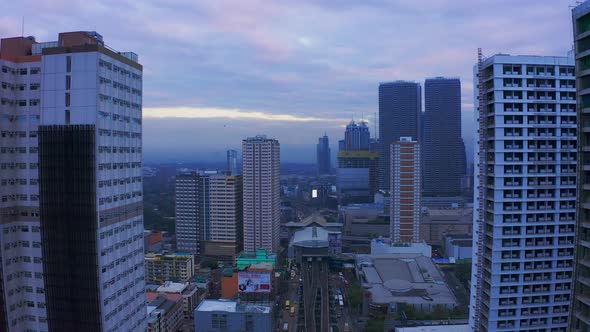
[(217, 71)]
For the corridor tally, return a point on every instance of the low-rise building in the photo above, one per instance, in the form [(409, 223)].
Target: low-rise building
[(438, 222), (245, 259), (231, 316), (178, 266), (153, 241), (190, 294), (391, 280), (459, 246), (164, 312)]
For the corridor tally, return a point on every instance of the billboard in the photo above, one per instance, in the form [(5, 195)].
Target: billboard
[(254, 282)]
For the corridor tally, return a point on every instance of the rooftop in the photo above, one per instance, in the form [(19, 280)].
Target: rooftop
[(315, 237), (233, 306), (435, 328), (403, 278), (172, 287)]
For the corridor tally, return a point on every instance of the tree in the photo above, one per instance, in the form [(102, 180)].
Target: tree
[(375, 325)]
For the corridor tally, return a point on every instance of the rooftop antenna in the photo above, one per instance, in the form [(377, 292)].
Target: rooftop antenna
[(375, 124), (22, 31)]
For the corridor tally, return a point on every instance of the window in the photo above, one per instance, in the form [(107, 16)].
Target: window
[(68, 82), (23, 71), (67, 116), (67, 99), (35, 70), (68, 63)]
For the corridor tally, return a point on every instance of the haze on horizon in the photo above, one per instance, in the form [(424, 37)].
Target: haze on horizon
[(218, 71)]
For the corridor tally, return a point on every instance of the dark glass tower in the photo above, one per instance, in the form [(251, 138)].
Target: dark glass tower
[(443, 146), (399, 116), (323, 155)]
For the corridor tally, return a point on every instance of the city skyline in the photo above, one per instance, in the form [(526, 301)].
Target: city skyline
[(274, 83)]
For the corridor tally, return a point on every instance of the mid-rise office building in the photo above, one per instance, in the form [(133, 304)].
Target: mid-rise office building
[(406, 181), (443, 150), (580, 313), (324, 156), (169, 267), (232, 162), (90, 185), (400, 109), (22, 292), (164, 312), (525, 194), (261, 158)]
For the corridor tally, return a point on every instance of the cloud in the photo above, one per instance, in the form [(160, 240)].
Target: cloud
[(215, 113)]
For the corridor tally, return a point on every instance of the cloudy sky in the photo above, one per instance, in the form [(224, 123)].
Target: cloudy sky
[(216, 71)]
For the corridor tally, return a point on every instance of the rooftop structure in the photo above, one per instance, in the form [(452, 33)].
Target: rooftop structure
[(231, 316), (245, 259), (412, 279)]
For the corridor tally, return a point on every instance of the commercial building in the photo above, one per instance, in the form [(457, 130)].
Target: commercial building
[(356, 137), (189, 293), (324, 157), (400, 109), (443, 150), (164, 313), (392, 280), (525, 195), (90, 185), (357, 178), (435, 328), (261, 158), (246, 259), (580, 313), (231, 164), (231, 316), (22, 298), (162, 267), (406, 183), (436, 223), (459, 246)]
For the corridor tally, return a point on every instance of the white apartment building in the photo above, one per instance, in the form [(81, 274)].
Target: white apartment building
[(22, 293), (261, 158), (225, 216), (90, 180), (525, 193), (406, 191)]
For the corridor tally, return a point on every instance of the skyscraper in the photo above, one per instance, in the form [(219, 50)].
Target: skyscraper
[(232, 162), (399, 116), (324, 156), (261, 158), (21, 270), (442, 143), (580, 313), (357, 136), (90, 185), (406, 176), (525, 193)]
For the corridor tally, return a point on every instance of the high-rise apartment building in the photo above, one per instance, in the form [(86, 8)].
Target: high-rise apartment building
[(232, 162), (209, 213), (400, 109), (580, 313), (324, 156), (443, 154), (224, 237), (406, 184), (261, 157), (90, 185), (191, 210), (525, 193), (22, 292)]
